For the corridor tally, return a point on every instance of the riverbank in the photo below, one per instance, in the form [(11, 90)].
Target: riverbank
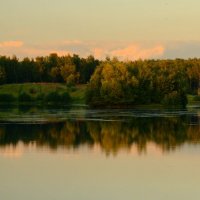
[(35, 92), (39, 93)]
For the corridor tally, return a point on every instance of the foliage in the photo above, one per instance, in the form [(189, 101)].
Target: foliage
[(174, 98), (24, 97), (65, 69), (53, 97), (56, 98), (39, 91), (69, 74), (65, 97), (139, 82), (2, 75), (7, 98), (128, 82), (196, 98), (40, 97), (32, 90)]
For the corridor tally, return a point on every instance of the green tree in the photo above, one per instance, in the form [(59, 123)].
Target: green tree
[(69, 74), (2, 75)]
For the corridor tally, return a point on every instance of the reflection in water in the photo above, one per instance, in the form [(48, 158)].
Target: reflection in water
[(112, 136), (67, 154)]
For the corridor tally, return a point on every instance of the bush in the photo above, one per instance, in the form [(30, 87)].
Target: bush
[(40, 97), (175, 98), (7, 98), (32, 90), (53, 97), (65, 97), (196, 98), (24, 97), (72, 88)]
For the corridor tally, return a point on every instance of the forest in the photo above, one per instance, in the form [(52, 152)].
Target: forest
[(110, 81)]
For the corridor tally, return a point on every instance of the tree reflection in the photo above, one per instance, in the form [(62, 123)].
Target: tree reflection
[(166, 133)]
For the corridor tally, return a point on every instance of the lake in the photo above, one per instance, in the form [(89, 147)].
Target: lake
[(81, 153)]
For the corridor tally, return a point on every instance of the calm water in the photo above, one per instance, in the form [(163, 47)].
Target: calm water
[(78, 153)]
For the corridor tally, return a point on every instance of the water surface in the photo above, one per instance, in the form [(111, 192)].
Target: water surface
[(81, 153)]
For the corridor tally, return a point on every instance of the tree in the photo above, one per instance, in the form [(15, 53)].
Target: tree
[(69, 74), (2, 75)]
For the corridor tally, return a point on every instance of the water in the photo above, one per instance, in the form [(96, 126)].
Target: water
[(81, 153)]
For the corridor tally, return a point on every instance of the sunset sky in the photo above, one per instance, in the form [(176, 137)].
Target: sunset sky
[(128, 29)]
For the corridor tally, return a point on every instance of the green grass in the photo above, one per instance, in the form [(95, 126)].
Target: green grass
[(192, 99), (77, 93)]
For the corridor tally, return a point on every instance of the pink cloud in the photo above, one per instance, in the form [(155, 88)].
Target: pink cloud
[(134, 52), (11, 44), (125, 50), (33, 52), (100, 49), (98, 52)]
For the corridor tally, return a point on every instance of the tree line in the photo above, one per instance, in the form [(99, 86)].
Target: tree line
[(65, 69), (110, 81), (144, 82)]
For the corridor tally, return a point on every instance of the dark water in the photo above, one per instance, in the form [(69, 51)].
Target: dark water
[(80, 153)]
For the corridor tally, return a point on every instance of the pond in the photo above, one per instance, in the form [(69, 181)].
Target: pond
[(82, 153)]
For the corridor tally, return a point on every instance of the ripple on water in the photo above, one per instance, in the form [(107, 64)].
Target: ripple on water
[(83, 113)]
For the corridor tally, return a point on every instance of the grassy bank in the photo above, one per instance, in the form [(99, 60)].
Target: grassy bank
[(193, 99), (35, 92)]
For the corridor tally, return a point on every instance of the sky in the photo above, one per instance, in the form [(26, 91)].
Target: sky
[(127, 29)]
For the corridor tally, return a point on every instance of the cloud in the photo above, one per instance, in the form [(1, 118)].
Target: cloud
[(135, 52), (98, 53), (22, 50), (84, 48), (34, 52), (101, 49), (6, 44)]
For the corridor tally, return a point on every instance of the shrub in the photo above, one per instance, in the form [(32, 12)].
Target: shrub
[(175, 98), (24, 97), (71, 88), (40, 97), (7, 98), (65, 97), (196, 98), (53, 97), (32, 90)]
